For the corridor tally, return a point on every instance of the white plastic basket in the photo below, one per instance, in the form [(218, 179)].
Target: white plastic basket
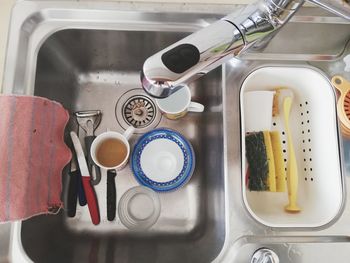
[(313, 123)]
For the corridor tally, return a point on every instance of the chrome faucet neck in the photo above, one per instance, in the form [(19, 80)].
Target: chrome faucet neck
[(194, 56)]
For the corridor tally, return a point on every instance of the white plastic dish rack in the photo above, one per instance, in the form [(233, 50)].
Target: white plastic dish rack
[(313, 123)]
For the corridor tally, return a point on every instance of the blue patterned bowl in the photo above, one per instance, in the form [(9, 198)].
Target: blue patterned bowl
[(163, 160)]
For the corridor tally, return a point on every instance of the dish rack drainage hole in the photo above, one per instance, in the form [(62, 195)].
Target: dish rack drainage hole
[(303, 141), (306, 141)]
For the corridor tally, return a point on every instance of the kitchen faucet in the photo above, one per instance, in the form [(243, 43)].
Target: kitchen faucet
[(192, 57)]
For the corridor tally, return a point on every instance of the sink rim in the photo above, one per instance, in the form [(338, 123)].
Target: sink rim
[(45, 27)]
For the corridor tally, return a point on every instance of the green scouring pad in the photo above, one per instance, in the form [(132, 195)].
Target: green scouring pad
[(258, 162)]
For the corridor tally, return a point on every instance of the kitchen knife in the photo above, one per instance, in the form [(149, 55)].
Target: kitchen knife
[(89, 191), (72, 188)]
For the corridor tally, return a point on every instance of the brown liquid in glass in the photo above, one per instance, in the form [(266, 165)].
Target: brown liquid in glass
[(111, 152)]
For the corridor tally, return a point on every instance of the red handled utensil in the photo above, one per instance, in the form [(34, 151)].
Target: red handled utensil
[(89, 191)]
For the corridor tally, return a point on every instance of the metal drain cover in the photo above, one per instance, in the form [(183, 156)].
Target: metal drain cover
[(135, 108), (139, 111)]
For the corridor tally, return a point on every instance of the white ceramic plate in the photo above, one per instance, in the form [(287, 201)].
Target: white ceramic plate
[(163, 160)]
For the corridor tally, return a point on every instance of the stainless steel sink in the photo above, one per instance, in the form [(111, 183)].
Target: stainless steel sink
[(96, 69), (88, 56)]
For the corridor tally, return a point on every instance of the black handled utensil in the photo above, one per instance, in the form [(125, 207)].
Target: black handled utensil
[(111, 194), (81, 192), (75, 182), (72, 197)]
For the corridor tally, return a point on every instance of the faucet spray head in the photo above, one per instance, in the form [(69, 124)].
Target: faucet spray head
[(157, 88)]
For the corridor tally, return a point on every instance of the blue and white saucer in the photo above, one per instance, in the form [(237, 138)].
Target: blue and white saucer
[(163, 160)]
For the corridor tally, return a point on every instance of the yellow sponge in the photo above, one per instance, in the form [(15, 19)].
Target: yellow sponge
[(279, 163), (271, 179)]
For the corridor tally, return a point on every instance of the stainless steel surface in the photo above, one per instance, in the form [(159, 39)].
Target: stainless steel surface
[(193, 221), (322, 249), (5, 234), (338, 7), (250, 27), (265, 255), (81, 57)]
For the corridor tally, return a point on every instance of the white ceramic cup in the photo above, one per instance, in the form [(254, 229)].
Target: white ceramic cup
[(178, 104), (112, 135)]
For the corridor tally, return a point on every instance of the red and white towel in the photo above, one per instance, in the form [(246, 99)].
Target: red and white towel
[(32, 156)]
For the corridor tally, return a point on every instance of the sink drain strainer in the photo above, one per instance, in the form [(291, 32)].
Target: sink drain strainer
[(137, 109)]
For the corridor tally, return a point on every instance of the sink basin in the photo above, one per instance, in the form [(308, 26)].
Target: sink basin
[(88, 56), (96, 69)]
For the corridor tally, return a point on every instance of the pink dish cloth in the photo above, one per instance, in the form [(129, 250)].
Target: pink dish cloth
[(32, 156)]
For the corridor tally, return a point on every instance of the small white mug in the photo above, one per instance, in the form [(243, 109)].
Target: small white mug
[(112, 135), (178, 104), (112, 170)]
